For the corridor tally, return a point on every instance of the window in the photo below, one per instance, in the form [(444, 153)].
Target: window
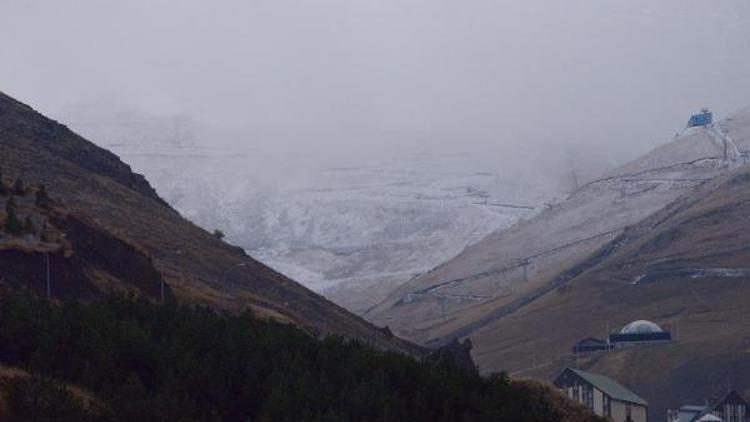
[(588, 398), (606, 406)]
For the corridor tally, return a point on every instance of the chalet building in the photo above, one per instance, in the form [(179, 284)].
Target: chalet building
[(639, 333), (732, 408), (603, 395)]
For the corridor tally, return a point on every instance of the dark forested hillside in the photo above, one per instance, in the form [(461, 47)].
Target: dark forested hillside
[(148, 362)]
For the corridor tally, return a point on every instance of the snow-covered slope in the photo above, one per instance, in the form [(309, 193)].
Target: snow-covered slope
[(513, 266), (347, 232), (352, 229)]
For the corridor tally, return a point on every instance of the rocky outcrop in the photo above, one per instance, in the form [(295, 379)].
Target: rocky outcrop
[(22, 124)]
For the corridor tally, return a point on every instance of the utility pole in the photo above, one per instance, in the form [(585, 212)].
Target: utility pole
[(724, 138), (606, 336)]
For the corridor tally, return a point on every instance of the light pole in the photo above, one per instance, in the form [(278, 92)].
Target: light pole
[(49, 272), (49, 284)]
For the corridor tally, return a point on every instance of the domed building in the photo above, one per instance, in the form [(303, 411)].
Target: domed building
[(641, 327), (640, 332)]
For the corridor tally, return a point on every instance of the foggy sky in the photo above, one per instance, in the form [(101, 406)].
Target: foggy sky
[(346, 74)]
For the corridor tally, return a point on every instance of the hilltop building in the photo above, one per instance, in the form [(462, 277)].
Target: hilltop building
[(639, 332), (603, 395), (704, 118), (732, 408), (636, 333)]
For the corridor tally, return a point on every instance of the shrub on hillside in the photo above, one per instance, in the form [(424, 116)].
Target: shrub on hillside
[(42, 199), (28, 226)]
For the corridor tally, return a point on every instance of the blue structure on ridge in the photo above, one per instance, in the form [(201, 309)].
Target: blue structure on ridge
[(704, 118)]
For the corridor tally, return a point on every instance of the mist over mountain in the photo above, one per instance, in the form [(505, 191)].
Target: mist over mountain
[(336, 73), (352, 143), (341, 225)]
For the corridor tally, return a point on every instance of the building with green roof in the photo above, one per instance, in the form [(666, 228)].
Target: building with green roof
[(605, 396)]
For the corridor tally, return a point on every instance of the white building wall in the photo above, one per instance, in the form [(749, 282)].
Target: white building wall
[(598, 402), (620, 414)]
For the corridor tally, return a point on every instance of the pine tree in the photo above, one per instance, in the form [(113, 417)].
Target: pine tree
[(42, 197), (10, 206), (12, 223), (18, 187), (28, 226)]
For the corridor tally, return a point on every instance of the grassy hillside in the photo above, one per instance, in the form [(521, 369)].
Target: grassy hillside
[(686, 268), (663, 238), (148, 362)]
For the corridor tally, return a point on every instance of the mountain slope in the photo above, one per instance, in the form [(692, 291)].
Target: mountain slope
[(683, 265), (513, 267), (198, 267), (686, 268)]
